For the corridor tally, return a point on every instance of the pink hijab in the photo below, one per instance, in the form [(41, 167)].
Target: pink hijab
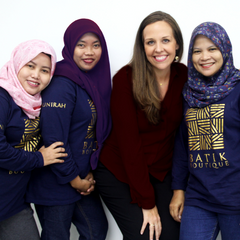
[(20, 56)]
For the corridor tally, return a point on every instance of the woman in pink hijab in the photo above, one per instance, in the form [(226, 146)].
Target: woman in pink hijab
[(22, 79)]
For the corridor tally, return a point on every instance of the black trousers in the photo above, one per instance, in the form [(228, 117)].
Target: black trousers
[(129, 217)]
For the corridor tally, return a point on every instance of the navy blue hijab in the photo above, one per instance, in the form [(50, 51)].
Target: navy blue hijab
[(200, 91)]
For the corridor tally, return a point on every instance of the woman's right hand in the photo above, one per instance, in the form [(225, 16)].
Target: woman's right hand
[(90, 178), (151, 217), (177, 204), (53, 153)]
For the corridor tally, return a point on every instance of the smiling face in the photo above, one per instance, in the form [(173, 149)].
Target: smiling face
[(160, 45), (207, 58), (87, 52), (36, 74)]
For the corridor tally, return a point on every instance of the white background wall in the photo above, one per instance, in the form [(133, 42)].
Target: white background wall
[(119, 21)]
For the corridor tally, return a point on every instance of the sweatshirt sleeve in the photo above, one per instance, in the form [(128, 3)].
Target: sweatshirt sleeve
[(180, 170), (58, 104), (125, 122), (14, 159)]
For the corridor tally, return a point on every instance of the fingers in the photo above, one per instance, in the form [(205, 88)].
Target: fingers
[(151, 230), (175, 213), (92, 187), (59, 152), (158, 229), (89, 176), (87, 185), (57, 161), (60, 155), (58, 149), (88, 191), (155, 228), (177, 204), (180, 212), (84, 193), (92, 181), (151, 217), (143, 227), (56, 144)]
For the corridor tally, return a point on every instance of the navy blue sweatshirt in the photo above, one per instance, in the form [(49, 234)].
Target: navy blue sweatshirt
[(18, 134), (68, 115), (207, 150)]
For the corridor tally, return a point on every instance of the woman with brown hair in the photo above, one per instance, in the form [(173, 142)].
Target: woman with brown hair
[(134, 172)]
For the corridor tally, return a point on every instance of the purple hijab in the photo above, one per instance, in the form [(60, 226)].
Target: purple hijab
[(96, 82), (200, 91)]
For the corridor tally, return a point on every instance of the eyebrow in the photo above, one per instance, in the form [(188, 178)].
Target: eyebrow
[(153, 38), (207, 48), (213, 46), (85, 41), (36, 64)]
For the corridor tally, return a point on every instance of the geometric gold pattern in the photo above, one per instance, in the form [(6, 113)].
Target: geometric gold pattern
[(91, 126), (31, 136), (205, 127)]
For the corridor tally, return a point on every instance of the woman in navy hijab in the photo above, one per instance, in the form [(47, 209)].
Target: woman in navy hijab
[(206, 162)]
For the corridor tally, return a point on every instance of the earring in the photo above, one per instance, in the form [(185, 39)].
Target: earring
[(176, 58)]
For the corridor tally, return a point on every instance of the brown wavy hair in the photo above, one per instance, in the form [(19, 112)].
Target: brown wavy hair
[(145, 88)]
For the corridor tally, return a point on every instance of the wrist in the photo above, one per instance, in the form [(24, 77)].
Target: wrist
[(178, 193), (76, 182)]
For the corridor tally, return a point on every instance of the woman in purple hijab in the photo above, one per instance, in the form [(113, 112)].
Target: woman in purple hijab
[(75, 110)]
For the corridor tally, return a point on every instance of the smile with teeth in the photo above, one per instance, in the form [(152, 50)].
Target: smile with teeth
[(207, 65), (160, 58), (33, 83)]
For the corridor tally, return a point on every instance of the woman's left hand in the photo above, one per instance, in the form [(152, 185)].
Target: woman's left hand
[(90, 178), (151, 218)]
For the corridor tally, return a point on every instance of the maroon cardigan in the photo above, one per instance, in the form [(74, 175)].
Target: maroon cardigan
[(135, 148)]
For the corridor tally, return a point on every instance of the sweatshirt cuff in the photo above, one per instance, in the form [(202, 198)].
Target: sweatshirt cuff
[(40, 162), (68, 178), (179, 186)]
